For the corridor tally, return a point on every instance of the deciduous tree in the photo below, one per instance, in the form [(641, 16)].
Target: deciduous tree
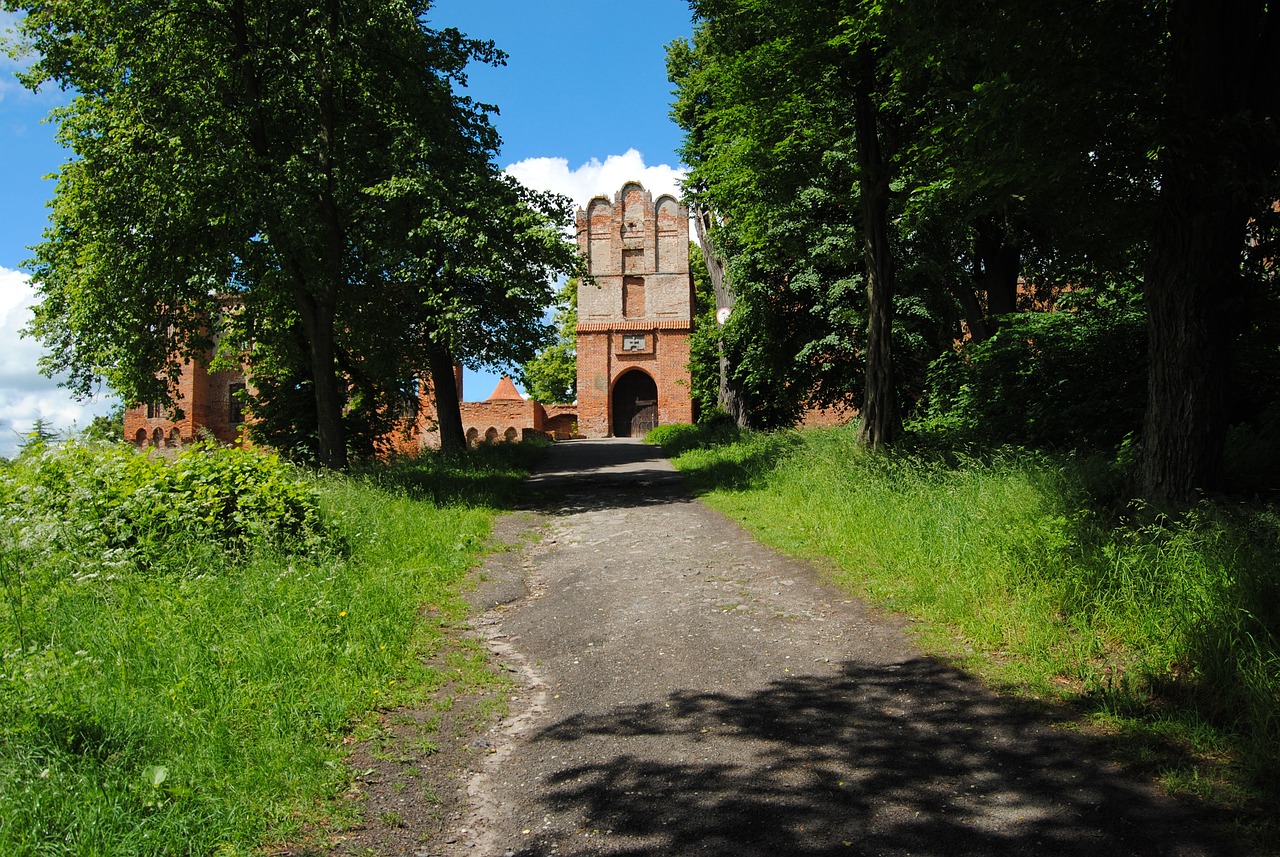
[(296, 155)]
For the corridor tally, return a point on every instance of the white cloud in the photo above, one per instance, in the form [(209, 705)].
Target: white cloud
[(25, 394), (596, 178)]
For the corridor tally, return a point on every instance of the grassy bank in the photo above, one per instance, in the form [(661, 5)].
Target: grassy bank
[(1022, 568), (186, 644)]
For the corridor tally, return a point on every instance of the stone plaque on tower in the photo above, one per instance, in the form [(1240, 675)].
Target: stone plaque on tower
[(634, 320)]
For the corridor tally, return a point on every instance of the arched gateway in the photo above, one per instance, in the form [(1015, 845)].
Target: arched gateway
[(635, 314), (635, 404)]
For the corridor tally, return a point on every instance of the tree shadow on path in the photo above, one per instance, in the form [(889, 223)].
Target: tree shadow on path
[(912, 758)]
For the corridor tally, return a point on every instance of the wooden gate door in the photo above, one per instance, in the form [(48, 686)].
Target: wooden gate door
[(635, 405), (646, 418)]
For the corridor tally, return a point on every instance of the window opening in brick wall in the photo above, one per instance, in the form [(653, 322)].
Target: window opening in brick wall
[(632, 297), (155, 410)]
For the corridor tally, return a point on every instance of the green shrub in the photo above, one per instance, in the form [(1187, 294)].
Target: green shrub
[(103, 508), (677, 438), (1075, 378)]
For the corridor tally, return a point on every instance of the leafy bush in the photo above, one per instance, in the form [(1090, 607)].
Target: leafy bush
[(675, 438), (1075, 378), (678, 438), (204, 712), (97, 508)]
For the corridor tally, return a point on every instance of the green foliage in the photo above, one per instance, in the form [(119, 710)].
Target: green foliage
[(551, 377), (1071, 378), (677, 438), (764, 97), (1017, 568), (1022, 144), (40, 436), (107, 429), (88, 510), (704, 340), (204, 711), (316, 186)]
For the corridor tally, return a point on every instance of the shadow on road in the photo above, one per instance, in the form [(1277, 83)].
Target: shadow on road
[(583, 475), (908, 759)]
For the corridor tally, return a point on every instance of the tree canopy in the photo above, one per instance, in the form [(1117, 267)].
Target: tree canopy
[(551, 376), (924, 174), (312, 164)]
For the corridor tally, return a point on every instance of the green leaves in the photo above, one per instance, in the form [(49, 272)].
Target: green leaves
[(321, 168), (102, 510), (552, 375)]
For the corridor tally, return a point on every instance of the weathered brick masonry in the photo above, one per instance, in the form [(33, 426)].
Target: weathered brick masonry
[(208, 402), (634, 319)]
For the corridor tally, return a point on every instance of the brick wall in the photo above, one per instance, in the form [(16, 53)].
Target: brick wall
[(204, 398), (638, 248), (493, 420), (561, 421)]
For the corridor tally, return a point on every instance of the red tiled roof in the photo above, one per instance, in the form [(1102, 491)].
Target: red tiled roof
[(505, 391)]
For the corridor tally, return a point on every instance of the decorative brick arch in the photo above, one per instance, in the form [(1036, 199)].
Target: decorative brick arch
[(491, 436), (473, 436), (141, 437), (511, 435), (669, 252), (633, 404)]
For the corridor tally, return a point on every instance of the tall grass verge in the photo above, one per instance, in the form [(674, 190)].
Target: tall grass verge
[(1165, 631), (173, 683)]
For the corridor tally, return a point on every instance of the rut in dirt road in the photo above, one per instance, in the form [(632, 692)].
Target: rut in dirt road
[(692, 692)]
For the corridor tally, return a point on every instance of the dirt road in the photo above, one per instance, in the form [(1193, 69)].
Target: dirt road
[(688, 691)]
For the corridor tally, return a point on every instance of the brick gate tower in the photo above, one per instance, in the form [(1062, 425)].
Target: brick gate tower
[(634, 320)]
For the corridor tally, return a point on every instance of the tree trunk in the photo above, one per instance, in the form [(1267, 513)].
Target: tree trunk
[(1193, 285), (999, 264), (730, 396), (316, 307), (974, 318), (317, 324), (881, 420), (448, 406)]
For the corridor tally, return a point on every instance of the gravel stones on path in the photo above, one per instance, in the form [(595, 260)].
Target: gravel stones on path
[(685, 690)]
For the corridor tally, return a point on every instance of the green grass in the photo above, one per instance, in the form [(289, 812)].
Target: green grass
[(1164, 633), (171, 688)]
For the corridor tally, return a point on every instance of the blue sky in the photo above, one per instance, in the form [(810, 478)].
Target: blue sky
[(584, 106)]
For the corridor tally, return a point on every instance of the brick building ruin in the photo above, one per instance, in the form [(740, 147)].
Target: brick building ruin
[(634, 320), (635, 315)]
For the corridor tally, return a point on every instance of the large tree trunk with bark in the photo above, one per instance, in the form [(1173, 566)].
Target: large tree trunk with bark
[(974, 318), (314, 296), (881, 420), (448, 405), (731, 396), (1219, 99), (317, 324)]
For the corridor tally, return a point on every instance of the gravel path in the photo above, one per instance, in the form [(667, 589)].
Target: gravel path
[(688, 691)]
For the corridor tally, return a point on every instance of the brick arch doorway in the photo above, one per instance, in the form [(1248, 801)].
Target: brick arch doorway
[(635, 404)]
